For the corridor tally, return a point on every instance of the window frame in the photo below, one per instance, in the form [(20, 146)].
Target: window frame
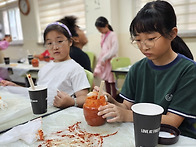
[(60, 15), (182, 33), (12, 4)]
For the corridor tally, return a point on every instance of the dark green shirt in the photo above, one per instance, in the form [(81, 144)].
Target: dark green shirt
[(172, 86)]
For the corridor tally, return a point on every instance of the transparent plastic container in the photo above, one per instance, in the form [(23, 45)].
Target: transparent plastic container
[(90, 109)]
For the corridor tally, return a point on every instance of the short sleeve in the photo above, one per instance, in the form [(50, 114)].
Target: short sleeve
[(79, 80), (128, 88)]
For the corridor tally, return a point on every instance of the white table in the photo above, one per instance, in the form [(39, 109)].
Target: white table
[(61, 120), (124, 136), (20, 69), (19, 107), (120, 74), (122, 70)]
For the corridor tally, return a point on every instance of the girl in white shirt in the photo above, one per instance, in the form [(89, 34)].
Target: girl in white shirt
[(64, 77)]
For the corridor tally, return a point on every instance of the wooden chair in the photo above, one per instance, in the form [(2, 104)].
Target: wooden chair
[(118, 62)]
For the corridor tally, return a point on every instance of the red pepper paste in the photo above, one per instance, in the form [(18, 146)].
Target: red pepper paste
[(78, 136), (35, 62)]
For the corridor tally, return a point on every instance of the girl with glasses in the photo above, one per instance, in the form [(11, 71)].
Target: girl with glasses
[(164, 77), (65, 79)]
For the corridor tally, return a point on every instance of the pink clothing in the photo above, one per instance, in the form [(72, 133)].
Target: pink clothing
[(109, 50), (3, 45), (3, 72)]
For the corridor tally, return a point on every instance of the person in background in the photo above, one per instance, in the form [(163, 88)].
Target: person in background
[(79, 41), (4, 43), (62, 75), (4, 74), (45, 56), (163, 77), (109, 49)]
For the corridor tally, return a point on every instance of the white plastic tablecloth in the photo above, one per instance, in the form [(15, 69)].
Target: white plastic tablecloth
[(19, 107), (20, 69), (124, 137)]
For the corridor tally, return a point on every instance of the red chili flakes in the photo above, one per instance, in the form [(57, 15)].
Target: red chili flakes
[(41, 135), (74, 135)]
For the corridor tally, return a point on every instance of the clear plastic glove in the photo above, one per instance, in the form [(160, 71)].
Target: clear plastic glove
[(27, 132)]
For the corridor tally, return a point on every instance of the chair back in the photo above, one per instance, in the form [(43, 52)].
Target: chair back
[(91, 56), (90, 78), (118, 62)]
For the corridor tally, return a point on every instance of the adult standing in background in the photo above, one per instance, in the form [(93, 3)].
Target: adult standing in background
[(109, 49), (79, 41), (4, 43)]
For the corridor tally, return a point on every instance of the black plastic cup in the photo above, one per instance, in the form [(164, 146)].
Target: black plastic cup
[(38, 99), (7, 60), (147, 121), (30, 57)]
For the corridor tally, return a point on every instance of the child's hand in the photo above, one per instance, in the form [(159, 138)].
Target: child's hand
[(112, 112), (96, 88), (107, 95), (63, 100), (102, 63), (7, 83)]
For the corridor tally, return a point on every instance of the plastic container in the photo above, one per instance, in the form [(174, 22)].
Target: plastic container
[(47, 58), (41, 57), (90, 109), (35, 62)]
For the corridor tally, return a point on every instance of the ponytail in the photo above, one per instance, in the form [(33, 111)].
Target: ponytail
[(110, 27), (179, 46)]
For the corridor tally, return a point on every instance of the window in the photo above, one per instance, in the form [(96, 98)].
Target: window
[(185, 12), (52, 10), (11, 20)]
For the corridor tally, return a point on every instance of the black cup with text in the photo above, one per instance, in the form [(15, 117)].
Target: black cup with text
[(7, 60), (147, 121), (38, 99), (30, 57)]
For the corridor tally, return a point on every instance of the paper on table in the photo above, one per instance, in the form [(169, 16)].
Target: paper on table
[(16, 90), (18, 105), (27, 132), (64, 119)]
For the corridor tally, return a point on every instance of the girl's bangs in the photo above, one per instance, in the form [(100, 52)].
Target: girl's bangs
[(146, 21), (145, 25)]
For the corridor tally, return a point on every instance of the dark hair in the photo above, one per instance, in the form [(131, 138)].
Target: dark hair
[(57, 28), (159, 16), (179, 46), (102, 22), (70, 22), (7, 35)]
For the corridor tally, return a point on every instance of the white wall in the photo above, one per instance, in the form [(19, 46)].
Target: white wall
[(118, 12), (30, 35)]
